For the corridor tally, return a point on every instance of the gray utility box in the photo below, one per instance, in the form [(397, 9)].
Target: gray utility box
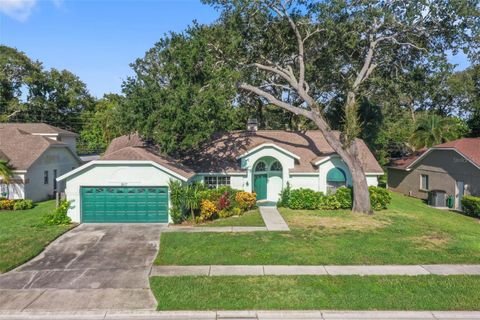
[(437, 198)]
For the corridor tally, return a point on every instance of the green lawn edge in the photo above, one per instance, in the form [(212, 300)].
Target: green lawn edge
[(23, 236), (409, 232), (317, 292)]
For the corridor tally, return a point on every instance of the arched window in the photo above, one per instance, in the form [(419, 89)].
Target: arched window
[(260, 166), (336, 178), (276, 166)]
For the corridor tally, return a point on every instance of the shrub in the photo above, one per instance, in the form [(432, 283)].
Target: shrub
[(7, 204), (23, 204), (285, 197), (236, 211), (246, 200), (379, 197), (304, 199), (224, 201), (329, 202), (207, 210), (59, 215), (344, 197), (471, 205), (177, 215)]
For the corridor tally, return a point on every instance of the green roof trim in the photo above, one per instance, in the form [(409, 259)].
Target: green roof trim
[(336, 175)]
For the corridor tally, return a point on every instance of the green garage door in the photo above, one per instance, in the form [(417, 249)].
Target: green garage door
[(124, 204)]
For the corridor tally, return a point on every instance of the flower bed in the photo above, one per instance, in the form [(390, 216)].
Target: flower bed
[(20, 204), (196, 202)]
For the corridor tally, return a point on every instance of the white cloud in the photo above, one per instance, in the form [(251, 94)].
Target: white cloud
[(22, 9), (57, 3), (17, 9)]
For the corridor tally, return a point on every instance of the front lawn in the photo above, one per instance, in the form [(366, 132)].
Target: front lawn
[(317, 292), (22, 236), (251, 218), (409, 232)]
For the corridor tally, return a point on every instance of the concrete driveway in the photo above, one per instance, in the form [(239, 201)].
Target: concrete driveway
[(91, 267)]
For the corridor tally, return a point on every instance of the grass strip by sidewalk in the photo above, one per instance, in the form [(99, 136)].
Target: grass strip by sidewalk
[(317, 292)]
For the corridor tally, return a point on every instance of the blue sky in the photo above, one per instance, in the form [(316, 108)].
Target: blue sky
[(97, 40)]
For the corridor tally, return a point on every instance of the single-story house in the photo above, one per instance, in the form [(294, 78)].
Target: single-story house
[(452, 167), (38, 153), (130, 182)]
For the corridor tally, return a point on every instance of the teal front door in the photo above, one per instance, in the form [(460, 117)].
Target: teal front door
[(124, 204), (260, 186)]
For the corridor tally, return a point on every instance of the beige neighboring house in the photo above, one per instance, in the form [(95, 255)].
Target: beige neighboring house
[(38, 154), (452, 167)]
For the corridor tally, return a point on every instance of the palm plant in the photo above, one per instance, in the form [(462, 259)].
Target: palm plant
[(192, 198), (433, 129), (6, 172)]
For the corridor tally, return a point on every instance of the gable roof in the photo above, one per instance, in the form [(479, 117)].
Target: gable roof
[(467, 147), (137, 153), (21, 148), (38, 128)]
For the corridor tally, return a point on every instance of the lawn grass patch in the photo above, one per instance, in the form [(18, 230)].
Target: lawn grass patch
[(251, 218), (317, 292), (22, 235), (409, 232)]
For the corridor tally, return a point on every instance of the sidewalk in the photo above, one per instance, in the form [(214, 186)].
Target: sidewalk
[(259, 270), (253, 315)]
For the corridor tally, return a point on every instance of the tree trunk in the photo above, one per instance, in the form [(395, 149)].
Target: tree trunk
[(193, 215), (361, 195)]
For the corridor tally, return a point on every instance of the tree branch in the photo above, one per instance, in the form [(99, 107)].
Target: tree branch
[(273, 100)]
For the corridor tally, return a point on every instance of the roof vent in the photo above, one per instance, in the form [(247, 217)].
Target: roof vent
[(252, 124)]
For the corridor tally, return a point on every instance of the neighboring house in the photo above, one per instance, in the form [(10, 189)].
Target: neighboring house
[(452, 167), (130, 182), (38, 154)]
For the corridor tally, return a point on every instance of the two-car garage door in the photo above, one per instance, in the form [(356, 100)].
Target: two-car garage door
[(124, 204)]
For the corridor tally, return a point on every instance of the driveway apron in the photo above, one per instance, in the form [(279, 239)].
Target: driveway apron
[(94, 266)]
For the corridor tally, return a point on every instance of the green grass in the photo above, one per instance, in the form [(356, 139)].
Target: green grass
[(317, 292), (409, 232), (250, 218), (22, 236)]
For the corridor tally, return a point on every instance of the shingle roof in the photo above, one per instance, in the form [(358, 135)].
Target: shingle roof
[(129, 140), (38, 128), (220, 155), (469, 147), (310, 146), (147, 154), (22, 148), (3, 156)]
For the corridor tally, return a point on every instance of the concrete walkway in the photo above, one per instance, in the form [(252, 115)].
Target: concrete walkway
[(273, 219), (268, 270), (250, 315)]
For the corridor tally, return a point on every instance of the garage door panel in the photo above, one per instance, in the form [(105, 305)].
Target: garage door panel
[(124, 204)]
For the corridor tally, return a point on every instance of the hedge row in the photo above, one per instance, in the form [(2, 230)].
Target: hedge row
[(471, 205), (308, 199)]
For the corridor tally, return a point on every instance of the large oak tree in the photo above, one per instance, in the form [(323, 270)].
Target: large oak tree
[(299, 55)]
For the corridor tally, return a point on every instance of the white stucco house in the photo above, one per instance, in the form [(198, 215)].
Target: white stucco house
[(130, 182), (38, 153)]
